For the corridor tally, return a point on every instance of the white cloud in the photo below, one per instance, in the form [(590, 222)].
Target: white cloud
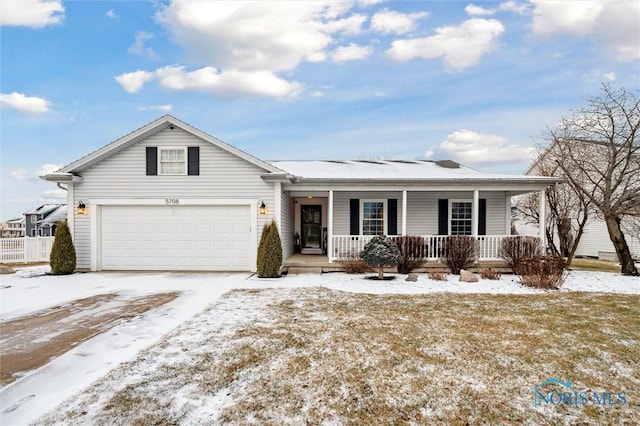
[(461, 46), (21, 102), (164, 108), (19, 174), (133, 81), (54, 195), (351, 52), (391, 22), (48, 168), (509, 6), (474, 10), (112, 14), (469, 147), (251, 36), (515, 7), (367, 3), (31, 13), (613, 25), (139, 48), (228, 82), (245, 45), (317, 94)]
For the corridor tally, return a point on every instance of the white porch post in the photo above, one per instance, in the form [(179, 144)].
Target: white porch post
[(507, 215), (475, 214), (330, 227), (404, 212), (543, 218)]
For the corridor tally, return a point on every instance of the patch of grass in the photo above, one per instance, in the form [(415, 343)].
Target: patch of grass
[(594, 265), (314, 356)]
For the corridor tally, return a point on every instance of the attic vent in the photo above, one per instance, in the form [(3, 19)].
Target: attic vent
[(448, 164)]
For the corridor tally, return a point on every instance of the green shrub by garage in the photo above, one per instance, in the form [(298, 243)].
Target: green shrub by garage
[(63, 254), (269, 252)]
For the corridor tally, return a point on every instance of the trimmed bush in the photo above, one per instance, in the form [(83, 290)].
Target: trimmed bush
[(490, 274), (63, 254), (353, 266), (380, 252), (437, 275), (411, 252), (269, 252), (460, 252), (545, 272), (513, 249)]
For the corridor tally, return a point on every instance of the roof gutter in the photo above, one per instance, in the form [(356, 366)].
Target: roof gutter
[(62, 178)]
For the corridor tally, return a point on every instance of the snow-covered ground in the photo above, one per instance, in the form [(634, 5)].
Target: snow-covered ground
[(31, 290)]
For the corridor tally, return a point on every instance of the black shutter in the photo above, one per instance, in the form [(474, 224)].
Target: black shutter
[(392, 212), (152, 161), (193, 161), (443, 216), (482, 217), (354, 211)]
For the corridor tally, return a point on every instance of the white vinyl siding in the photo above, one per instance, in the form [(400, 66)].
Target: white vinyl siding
[(286, 225), (123, 176), (342, 214), (422, 210)]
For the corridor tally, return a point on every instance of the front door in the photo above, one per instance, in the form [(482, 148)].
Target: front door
[(311, 226)]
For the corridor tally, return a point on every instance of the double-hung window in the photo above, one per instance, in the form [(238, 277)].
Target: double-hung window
[(460, 212), (172, 161), (373, 217)]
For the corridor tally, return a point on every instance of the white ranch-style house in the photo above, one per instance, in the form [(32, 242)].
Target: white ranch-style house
[(171, 197)]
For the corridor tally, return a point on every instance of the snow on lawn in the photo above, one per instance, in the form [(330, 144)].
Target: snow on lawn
[(30, 290)]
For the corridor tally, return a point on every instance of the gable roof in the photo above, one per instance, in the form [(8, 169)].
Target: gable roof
[(44, 209), (59, 214), (164, 122), (397, 170)]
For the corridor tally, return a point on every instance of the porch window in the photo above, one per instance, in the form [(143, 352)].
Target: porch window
[(373, 217), (172, 161), (460, 212)]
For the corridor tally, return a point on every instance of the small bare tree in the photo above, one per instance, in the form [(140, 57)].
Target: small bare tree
[(564, 204), (598, 150)]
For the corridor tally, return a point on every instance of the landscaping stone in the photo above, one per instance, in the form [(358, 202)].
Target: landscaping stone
[(412, 277), (467, 277), (4, 270)]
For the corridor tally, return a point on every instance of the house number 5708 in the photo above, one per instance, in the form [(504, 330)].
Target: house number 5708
[(172, 201)]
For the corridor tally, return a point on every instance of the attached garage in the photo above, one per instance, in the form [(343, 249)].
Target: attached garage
[(176, 237)]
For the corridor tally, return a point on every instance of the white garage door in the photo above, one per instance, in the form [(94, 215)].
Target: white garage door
[(176, 238)]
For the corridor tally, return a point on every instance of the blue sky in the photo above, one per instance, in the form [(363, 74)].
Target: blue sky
[(473, 82)]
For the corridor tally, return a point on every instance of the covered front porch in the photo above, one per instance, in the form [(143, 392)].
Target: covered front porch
[(334, 207), (337, 224)]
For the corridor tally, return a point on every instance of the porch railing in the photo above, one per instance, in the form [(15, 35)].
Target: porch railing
[(349, 246), (28, 249)]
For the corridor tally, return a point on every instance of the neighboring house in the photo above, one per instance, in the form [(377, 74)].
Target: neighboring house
[(171, 197), (41, 221), (13, 228), (595, 241)]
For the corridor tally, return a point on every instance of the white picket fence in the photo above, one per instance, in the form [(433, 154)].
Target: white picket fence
[(28, 249)]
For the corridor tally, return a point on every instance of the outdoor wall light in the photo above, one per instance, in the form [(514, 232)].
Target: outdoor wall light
[(82, 208), (263, 208)]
